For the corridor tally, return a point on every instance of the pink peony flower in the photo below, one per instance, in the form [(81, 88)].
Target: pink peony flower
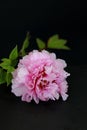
[(40, 76)]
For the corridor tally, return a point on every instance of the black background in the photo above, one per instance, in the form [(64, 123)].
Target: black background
[(43, 19)]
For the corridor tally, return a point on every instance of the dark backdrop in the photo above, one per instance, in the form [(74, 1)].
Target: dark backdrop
[(44, 18)]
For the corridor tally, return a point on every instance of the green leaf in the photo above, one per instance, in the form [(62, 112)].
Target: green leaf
[(56, 43), (5, 59), (2, 76), (8, 78), (25, 45), (14, 54), (41, 44), (10, 69), (5, 64), (14, 62), (53, 38)]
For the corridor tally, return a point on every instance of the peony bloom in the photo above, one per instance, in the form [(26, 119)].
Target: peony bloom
[(40, 76)]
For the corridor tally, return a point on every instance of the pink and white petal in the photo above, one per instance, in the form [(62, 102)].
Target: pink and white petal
[(53, 56), (19, 91), (48, 69), (36, 99), (22, 72), (64, 96), (61, 63)]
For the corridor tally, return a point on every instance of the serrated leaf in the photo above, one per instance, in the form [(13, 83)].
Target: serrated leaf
[(2, 76), (65, 47), (5, 59), (14, 62), (8, 78), (53, 38), (5, 64), (10, 69), (14, 54), (58, 44), (25, 45), (41, 44)]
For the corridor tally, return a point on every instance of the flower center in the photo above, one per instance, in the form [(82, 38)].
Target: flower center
[(43, 84)]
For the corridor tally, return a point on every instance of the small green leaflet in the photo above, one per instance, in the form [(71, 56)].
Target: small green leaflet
[(25, 45), (41, 44), (53, 38), (6, 69), (5, 59), (14, 62), (55, 43), (8, 78), (14, 54), (5, 64), (2, 76), (10, 69)]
